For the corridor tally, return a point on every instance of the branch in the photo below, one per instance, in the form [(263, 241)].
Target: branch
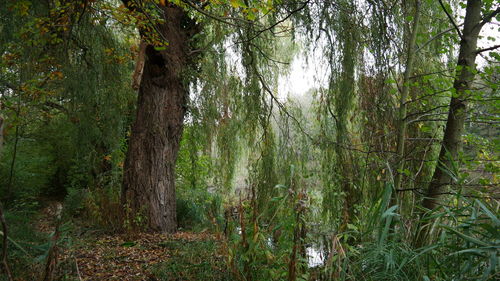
[(451, 19), (134, 7), (490, 16), (266, 56), (487, 49), (269, 28), (214, 17), (280, 21), (435, 37)]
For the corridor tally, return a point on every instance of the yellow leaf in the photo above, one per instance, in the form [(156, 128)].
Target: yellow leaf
[(235, 4)]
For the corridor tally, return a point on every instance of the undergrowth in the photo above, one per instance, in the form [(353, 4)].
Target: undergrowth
[(192, 260)]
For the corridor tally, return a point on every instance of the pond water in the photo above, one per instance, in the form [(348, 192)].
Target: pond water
[(315, 254)]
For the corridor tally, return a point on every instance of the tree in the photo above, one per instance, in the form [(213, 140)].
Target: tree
[(466, 70), (149, 176), (404, 96)]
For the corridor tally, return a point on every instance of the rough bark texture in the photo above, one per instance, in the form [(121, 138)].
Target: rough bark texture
[(149, 174), (456, 116)]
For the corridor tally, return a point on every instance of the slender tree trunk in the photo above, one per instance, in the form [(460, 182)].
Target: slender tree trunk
[(404, 96), (457, 112), (1, 132), (149, 178), (452, 138), (2, 217)]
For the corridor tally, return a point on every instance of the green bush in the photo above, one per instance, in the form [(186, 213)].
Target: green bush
[(198, 209), (32, 171), (74, 201)]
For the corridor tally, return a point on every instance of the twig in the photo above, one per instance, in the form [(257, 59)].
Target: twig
[(78, 270)]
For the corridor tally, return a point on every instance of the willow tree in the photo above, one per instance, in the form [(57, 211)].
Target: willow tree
[(170, 55), (342, 31), (149, 180)]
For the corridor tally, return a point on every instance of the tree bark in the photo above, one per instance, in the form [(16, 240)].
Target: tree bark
[(149, 177), (457, 112)]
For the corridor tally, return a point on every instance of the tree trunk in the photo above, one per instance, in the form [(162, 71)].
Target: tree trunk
[(149, 172), (1, 132), (2, 217), (457, 112), (402, 104), (452, 138)]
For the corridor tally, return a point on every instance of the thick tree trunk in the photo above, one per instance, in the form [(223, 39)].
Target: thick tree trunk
[(457, 112), (149, 172)]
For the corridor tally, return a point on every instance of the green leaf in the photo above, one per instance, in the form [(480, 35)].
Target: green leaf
[(466, 237), (494, 218), (15, 244)]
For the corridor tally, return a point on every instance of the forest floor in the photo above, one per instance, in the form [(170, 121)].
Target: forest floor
[(137, 256)]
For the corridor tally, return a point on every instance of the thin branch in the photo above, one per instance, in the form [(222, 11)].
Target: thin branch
[(422, 113), (78, 271), (489, 17), (436, 37), (279, 21), (214, 17), (451, 19), (430, 73), (487, 49), (266, 56)]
